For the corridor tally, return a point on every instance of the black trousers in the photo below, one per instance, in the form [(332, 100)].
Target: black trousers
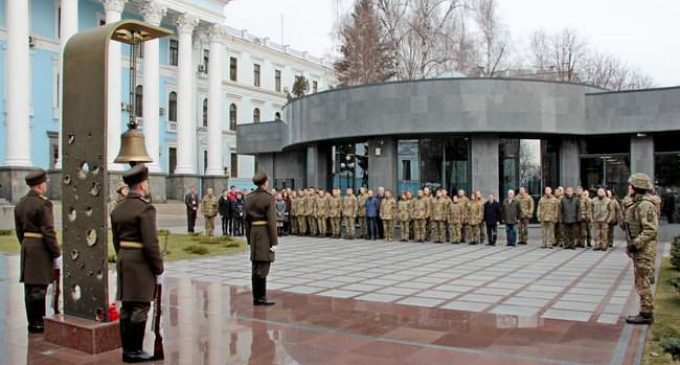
[(34, 299), (225, 225), (492, 233), (260, 271), (135, 312), (191, 220)]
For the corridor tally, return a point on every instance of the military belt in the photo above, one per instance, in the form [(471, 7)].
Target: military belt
[(258, 223), (33, 235), (131, 245)]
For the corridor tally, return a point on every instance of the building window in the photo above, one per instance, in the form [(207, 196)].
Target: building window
[(59, 22), (315, 86), (205, 160), (349, 165), (232, 117), (206, 60), (234, 165), (233, 69), (172, 159), (205, 112), (53, 138), (277, 116), (172, 107), (101, 20), (256, 115), (174, 52), (277, 81), (406, 170), (256, 75), (139, 99)]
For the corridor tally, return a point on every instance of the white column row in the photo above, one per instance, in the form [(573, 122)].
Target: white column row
[(114, 10), (69, 27), (186, 122)]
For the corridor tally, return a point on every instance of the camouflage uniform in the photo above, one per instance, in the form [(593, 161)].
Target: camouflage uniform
[(643, 225), (617, 218), (548, 214), (526, 202), (475, 218), (586, 220), (293, 215), (419, 217), (465, 203), (310, 204), (302, 217), (388, 207), (361, 214), (404, 212), (349, 214), (429, 224), (335, 214), (209, 210), (455, 220), (321, 205), (439, 217), (602, 216), (559, 227)]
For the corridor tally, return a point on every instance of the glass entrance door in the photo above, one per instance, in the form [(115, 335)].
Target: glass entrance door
[(610, 172)]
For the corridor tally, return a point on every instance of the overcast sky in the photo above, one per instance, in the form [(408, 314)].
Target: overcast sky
[(643, 34)]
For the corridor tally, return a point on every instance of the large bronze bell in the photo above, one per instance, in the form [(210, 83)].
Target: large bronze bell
[(132, 148)]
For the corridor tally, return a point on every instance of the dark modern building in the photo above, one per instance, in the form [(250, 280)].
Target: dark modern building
[(474, 134)]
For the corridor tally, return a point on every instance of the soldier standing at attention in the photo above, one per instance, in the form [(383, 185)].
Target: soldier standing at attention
[(321, 212), (404, 212), (349, 213), (293, 213), (602, 216), (419, 216), (526, 202), (464, 202), (559, 226), (475, 218), (482, 235), (439, 216), (454, 218), (617, 218), (586, 225), (361, 213), (428, 225), (335, 212), (301, 217), (547, 214), (209, 210), (388, 211), (447, 205), (34, 224), (310, 207), (139, 263), (643, 227), (261, 235)]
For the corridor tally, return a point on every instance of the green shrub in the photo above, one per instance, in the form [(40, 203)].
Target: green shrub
[(662, 330), (232, 244), (196, 250), (672, 346), (675, 253), (6, 232)]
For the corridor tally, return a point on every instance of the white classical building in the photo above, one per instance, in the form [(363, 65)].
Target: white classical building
[(190, 136)]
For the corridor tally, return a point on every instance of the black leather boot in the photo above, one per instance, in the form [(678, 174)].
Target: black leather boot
[(642, 318), (35, 311), (125, 338), (261, 299), (136, 341)]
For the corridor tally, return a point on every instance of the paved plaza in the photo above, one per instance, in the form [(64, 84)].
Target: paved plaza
[(371, 302)]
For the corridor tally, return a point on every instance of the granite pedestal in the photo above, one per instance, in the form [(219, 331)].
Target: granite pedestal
[(81, 334)]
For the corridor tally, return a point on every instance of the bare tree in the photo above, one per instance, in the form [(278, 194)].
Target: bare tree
[(539, 48), (494, 45), (608, 72), (568, 51)]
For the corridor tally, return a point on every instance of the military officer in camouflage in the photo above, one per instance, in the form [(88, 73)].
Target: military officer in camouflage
[(404, 215), (559, 227), (547, 214), (455, 220), (34, 225), (419, 216), (209, 210), (601, 217), (617, 219), (429, 225), (388, 212), (321, 205), (475, 218), (586, 217), (293, 213), (139, 261), (310, 204), (301, 216), (643, 225), (464, 202), (349, 213), (260, 216), (335, 212), (439, 216), (526, 202), (361, 212)]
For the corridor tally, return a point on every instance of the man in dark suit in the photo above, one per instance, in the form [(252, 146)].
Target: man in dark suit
[(260, 216), (191, 201), (139, 261), (492, 215), (34, 223)]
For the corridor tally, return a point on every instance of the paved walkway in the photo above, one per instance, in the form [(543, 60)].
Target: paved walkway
[(365, 302)]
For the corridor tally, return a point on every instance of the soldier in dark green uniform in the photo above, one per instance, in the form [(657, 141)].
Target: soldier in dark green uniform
[(133, 225), (34, 223), (261, 235)]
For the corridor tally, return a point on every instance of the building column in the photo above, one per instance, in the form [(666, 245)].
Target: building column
[(215, 102), (18, 138), (153, 14), (186, 122), (69, 27), (382, 163), (317, 167), (484, 164), (570, 164), (114, 9), (642, 155)]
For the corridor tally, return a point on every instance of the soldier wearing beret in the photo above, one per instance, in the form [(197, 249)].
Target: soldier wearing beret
[(34, 223), (261, 236), (133, 225)]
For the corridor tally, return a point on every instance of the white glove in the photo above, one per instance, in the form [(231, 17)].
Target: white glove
[(159, 278), (58, 262), (272, 248)]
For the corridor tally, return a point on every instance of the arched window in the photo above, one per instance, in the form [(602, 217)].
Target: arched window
[(256, 115), (277, 116), (232, 117), (205, 112), (139, 91), (172, 107)]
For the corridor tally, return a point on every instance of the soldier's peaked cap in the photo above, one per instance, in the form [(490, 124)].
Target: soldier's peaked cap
[(136, 174), (36, 177), (260, 178)]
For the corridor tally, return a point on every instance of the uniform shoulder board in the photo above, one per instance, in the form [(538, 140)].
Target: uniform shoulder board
[(43, 197), (145, 200)]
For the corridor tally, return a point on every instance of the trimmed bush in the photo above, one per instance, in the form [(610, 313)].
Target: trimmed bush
[(196, 250), (675, 253), (672, 346), (6, 232)]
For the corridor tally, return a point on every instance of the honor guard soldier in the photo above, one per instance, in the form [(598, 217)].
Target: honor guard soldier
[(321, 205), (439, 216), (139, 261), (349, 213), (302, 216), (601, 217), (310, 203), (361, 213), (34, 223), (642, 224), (526, 202), (548, 213), (261, 236), (475, 219), (454, 218)]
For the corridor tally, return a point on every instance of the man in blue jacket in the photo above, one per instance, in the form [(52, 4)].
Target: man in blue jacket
[(372, 212)]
